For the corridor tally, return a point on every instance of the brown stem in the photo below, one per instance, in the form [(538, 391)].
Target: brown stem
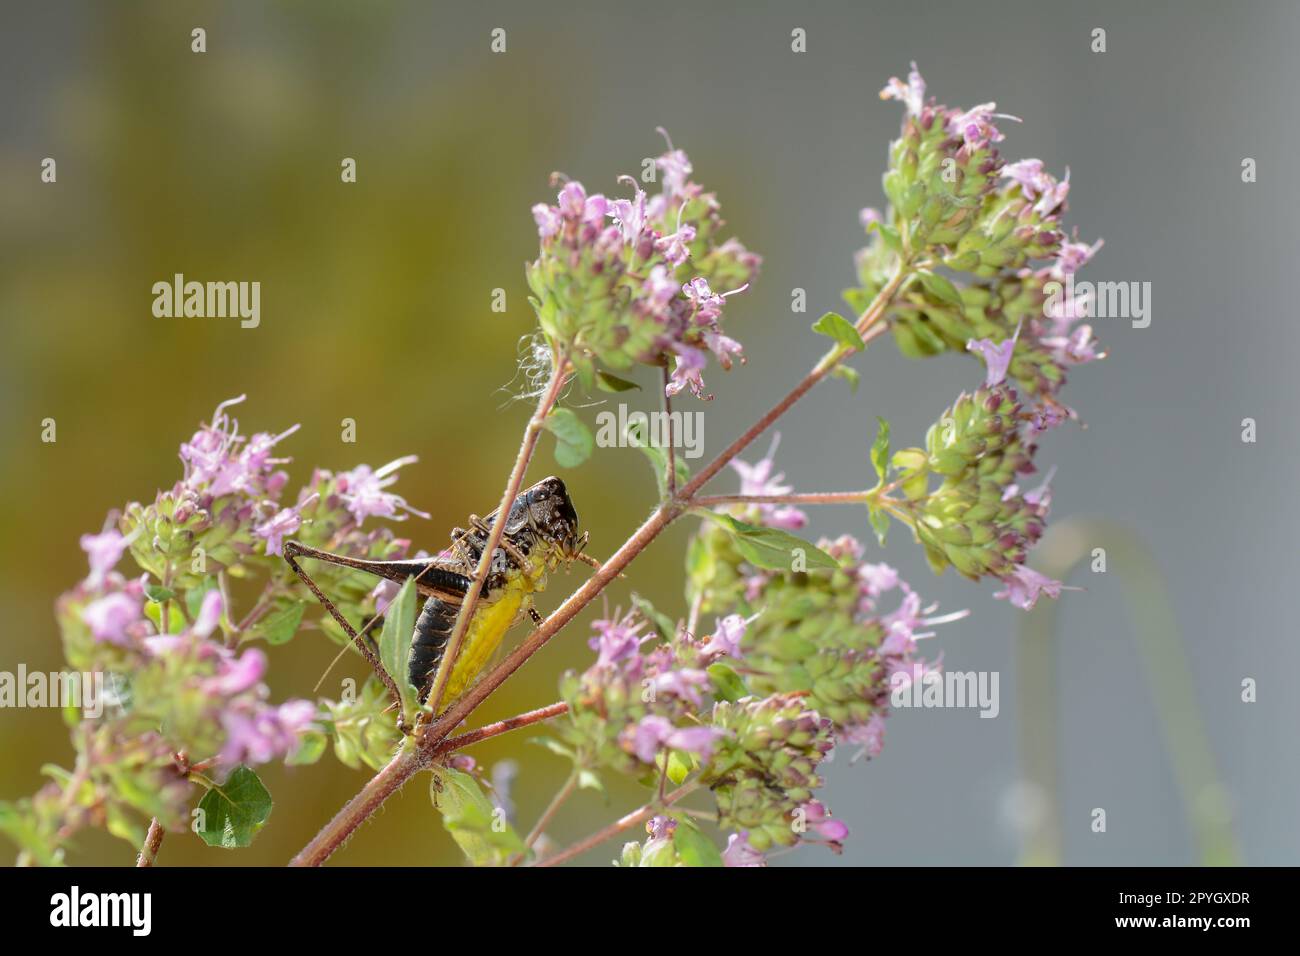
[(501, 727), (470, 601), (152, 840), (638, 815), (548, 814), (359, 808)]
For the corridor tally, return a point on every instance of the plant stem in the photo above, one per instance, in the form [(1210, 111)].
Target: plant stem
[(501, 727), (544, 820), (526, 448), (623, 823), (152, 840), (359, 808), (670, 454)]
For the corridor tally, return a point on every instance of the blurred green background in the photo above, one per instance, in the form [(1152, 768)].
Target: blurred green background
[(376, 306)]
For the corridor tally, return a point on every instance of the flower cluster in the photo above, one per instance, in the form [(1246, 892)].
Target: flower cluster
[(955, 203), (642, 279), (185, 674), (841, 636)]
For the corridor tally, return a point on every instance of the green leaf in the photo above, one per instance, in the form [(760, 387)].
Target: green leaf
[(590, 780), (879, 522), (727, 684), (694, 848), (281, 625), (157, 593), (835, 326), (478, 827), (573, 439), (679, 765), (311, 748), (662, 623), (607, 382), (771, 548), (940, 287), (194, 596), (849, 375), (235, 811), (658, 459), (880, 448), (395, 645)]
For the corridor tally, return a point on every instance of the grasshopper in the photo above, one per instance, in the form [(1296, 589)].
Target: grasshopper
[(540, 534)]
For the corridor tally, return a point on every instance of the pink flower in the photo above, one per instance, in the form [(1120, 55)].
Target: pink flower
[(110, 617), (820, 822), (676, 167), (236, 675), (997, 357), (685, 682), (617, 642), (629, 214), (975, 126), (548, 218), (758, 479), (103, 551), (1073, 257), (363, 492), (726, 637), (257, 734), (653, 733), (870, 736), (674, 247), (723, 347), (286, 521), (911, 94), (687, 371), (740, 853), (1024, 585), (209, 615)]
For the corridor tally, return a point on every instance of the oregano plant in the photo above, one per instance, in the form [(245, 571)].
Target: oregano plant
[(723, 708)]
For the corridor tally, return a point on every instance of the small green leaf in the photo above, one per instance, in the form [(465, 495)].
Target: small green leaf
[(235, 811), (607, 382), (590, 780), (662, 623), (880, 449), (694, 848), (726, 682), (879, 522), (940, 287), (194, 596), (771, 548), (849, 375), (395, 645), (835, 326), (311, 747), (679, 765), (157, 593), (573, 439), (479, 828), (281, 625)]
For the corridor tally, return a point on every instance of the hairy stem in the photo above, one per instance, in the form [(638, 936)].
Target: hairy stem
[(526, 448), (152, 841), (501, 727)]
